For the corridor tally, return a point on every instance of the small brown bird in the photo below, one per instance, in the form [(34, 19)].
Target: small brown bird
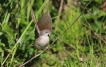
[(44, 29)]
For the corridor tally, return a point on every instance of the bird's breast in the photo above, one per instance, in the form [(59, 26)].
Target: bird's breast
[(41, 42)]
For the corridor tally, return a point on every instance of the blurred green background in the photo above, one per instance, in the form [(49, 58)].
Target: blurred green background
[(82, 45)]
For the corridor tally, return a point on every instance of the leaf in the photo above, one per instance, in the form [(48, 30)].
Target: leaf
[(7, 31), (2, 44), (1, 33)]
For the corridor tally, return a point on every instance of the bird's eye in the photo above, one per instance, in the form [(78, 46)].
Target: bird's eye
[(48, 35)]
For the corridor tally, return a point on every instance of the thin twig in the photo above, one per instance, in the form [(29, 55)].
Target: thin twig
[(58, 17), (56, 38), (72, 23), (34, 57), (5, 59)]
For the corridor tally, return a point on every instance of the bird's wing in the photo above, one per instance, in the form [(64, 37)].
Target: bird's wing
[(45, 22)]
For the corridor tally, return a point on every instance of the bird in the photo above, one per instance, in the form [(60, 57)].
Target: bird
[(43, 30)]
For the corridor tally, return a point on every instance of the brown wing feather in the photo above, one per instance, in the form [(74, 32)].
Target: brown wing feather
[(45, 22), (33, 16)]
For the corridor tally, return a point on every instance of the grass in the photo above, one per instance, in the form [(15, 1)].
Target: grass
[(80, 46)]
